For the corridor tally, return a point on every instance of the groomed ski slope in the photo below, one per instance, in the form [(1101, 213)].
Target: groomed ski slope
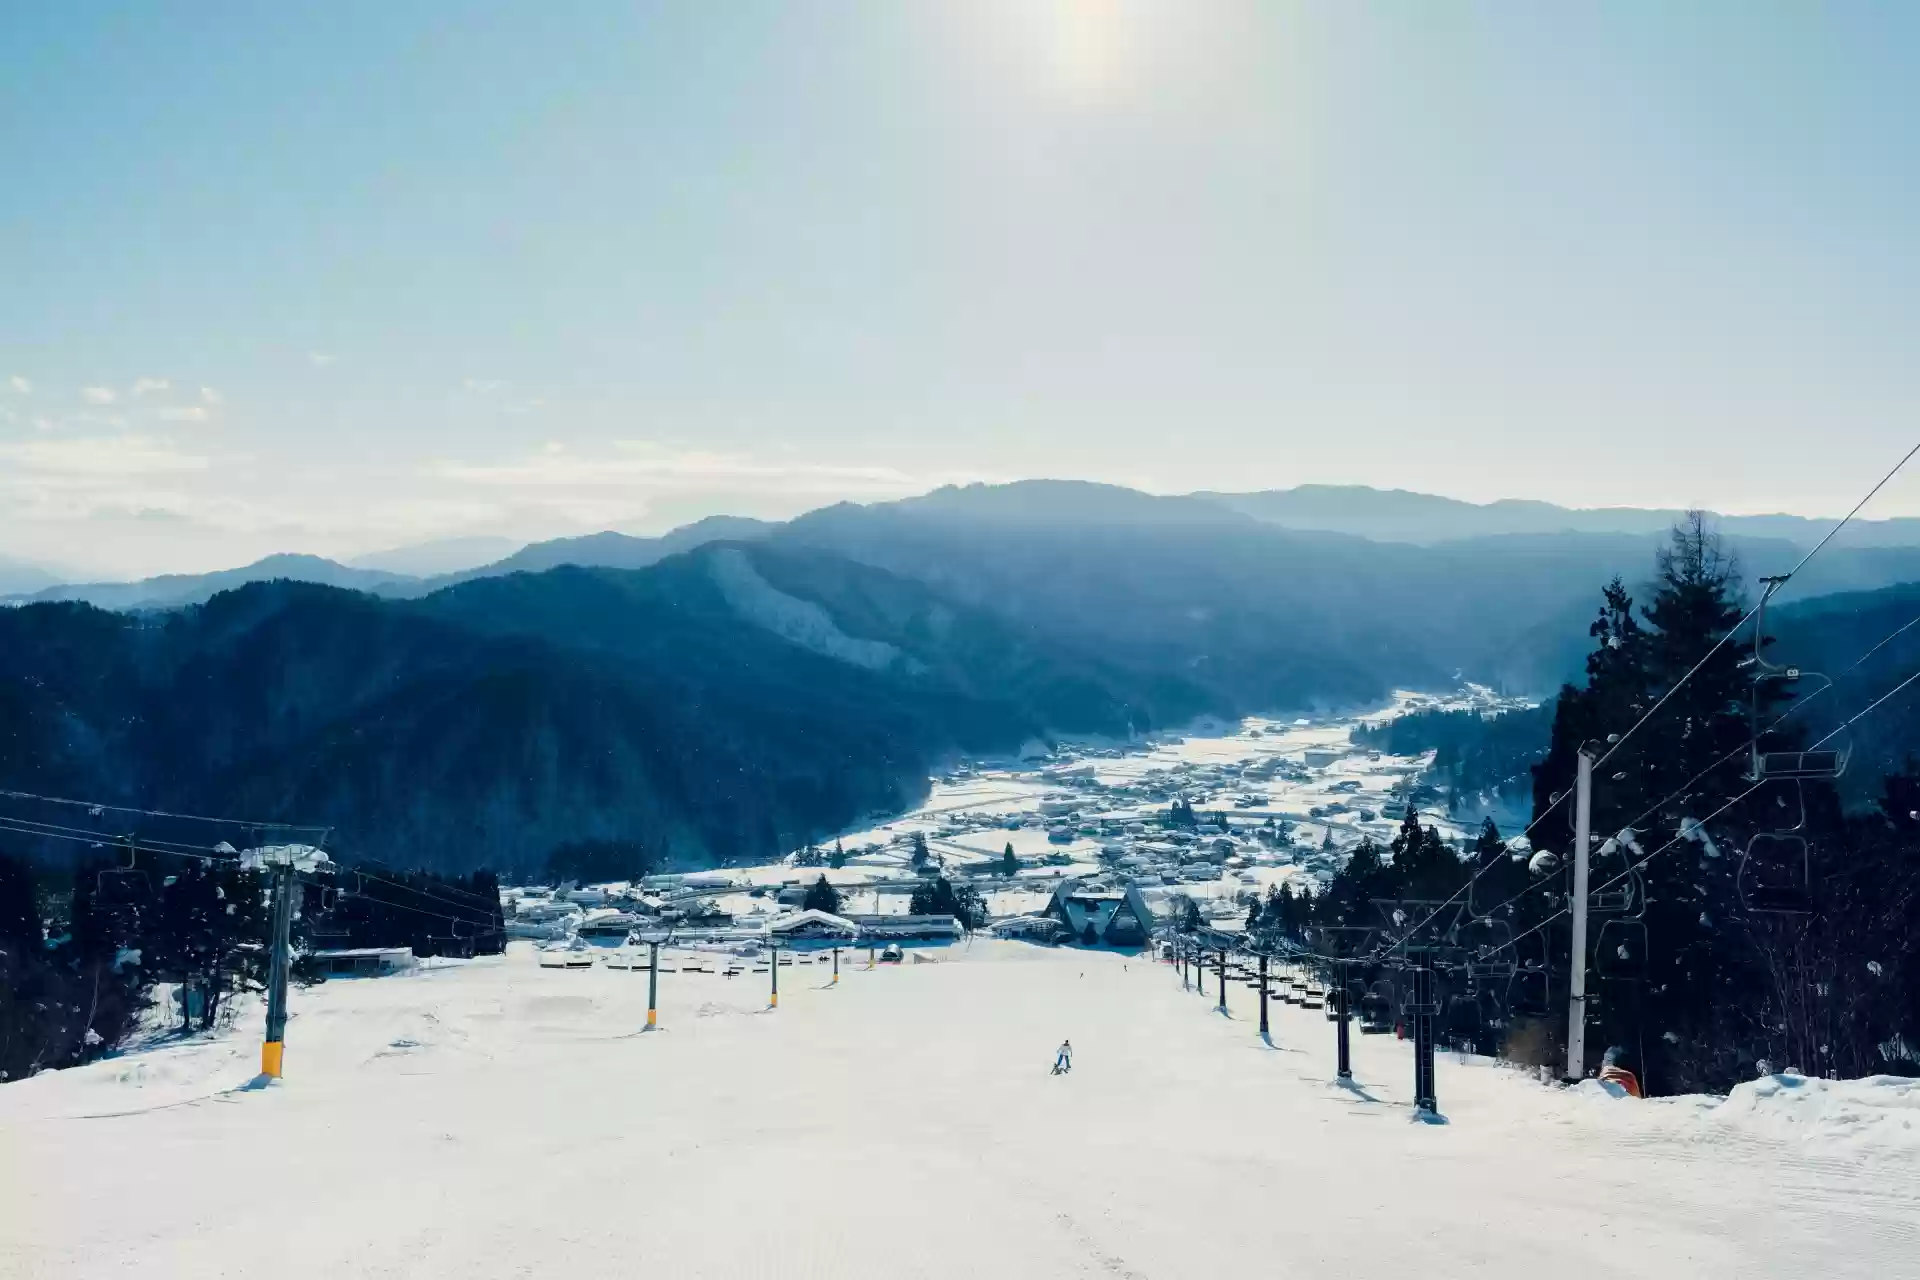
[(496, 1119)]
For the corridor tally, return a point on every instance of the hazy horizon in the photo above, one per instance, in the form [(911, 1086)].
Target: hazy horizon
[(461, 551), (357, 278)]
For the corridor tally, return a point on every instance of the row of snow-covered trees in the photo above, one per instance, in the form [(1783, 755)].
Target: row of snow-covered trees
[(73, 991), (1704, 987), (77, 974)]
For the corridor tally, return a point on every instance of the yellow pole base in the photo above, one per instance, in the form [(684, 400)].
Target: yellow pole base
[(270, 1053), (651, 1017), (773, 1001)]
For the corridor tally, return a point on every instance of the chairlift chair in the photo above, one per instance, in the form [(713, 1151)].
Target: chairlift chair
[(1529, 993), (1490, 950), (1776, 875), (1376, 1009), (1819, 764), (126, 884), (1620, 950)]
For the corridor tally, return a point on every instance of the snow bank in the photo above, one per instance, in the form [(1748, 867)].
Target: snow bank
[(1876, 1111)]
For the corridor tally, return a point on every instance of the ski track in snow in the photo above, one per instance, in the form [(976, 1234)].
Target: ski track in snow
[(497, 1119)]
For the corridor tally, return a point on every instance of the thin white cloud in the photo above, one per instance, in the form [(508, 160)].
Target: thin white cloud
[(147, 386), (209, 396), (184, 413), (84, 457), (483, 386), (319, 359), (98, 395), (20, 385), (644, 463)]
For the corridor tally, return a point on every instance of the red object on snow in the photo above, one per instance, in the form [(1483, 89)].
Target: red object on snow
[(1622, 1077)]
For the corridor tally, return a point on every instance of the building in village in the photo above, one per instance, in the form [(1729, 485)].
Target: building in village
[(929, 928), (812, 927), (1110, 917)]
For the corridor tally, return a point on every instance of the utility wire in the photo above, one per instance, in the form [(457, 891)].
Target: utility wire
[(397, 906), (1701, 823), (1621, 741), (475, 907), (208, 854), (95, 805), (1654, 709), (79, 835), (1778, 720)]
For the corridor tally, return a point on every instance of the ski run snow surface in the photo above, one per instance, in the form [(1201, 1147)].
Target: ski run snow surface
[(493, 1118)]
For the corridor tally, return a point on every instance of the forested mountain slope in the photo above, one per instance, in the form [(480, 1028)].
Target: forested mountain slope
[(725, 704)]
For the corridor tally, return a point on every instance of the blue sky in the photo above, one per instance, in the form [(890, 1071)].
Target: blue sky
[(343, 276)]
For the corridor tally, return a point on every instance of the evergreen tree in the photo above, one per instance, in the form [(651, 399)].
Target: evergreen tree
[(1009, 864), (1424, 867), (1351, 893), (21, 930), (1283, 907), (939, 896), (838, 858), (492, 939), (1501, 877), (1702, 1011), (920, 854), (101, 958), (969, 906), (821, 896)]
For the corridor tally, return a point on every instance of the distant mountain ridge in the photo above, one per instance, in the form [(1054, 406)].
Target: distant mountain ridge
[(1238, 542), (729, 698), (1399, 515), (176, 590), (440, 556), (22, 577)]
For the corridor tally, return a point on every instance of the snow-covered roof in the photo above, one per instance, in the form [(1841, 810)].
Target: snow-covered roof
[(824, 919)]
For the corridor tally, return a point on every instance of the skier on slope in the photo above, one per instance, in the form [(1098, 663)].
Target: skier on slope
[(1063, 1058)]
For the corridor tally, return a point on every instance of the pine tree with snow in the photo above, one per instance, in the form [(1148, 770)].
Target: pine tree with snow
[(1009, 864), (821, 896)]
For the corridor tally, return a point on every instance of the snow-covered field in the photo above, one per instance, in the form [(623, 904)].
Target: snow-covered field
[(493, 1118)]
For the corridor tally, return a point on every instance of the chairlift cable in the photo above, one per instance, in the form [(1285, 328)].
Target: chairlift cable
[(397, 906), (1808, 700), (1701, 823), (1816, 549), (52, 831), (161, 813), (1621, 741), (431, 897)]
